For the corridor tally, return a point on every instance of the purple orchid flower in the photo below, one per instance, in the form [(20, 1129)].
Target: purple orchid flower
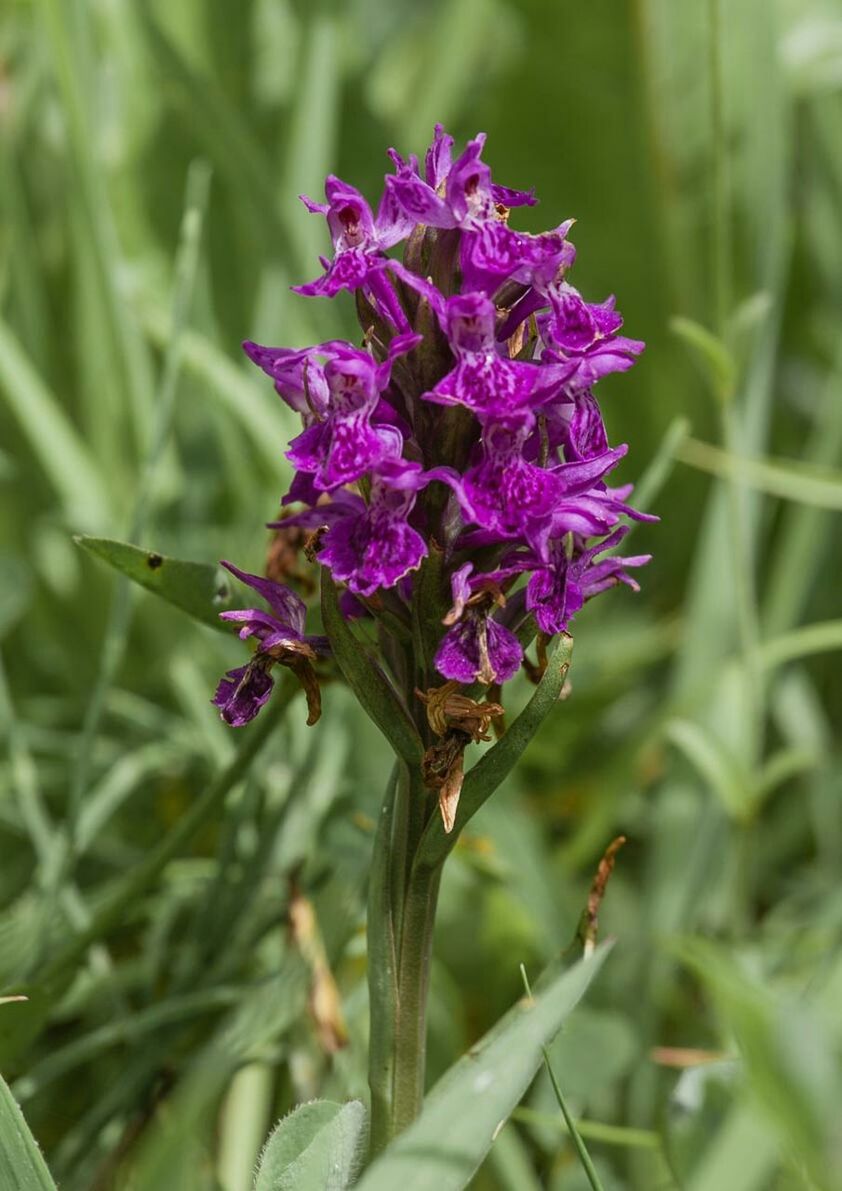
[(281, 640), (495, 252), (476, 647), (373, 545), (477, 370), (345, 444), (485, 381), (360, 240), (453, 194), (512, 497), (585, 333), (298, 375), (572, 575)]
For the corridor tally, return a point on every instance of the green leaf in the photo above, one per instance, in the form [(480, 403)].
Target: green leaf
[(200, 589), (711, 759), (367, 680), (22, 1168), (495, 765), (318, 1145), (786, 1048), (461, 1115), (52, 437), (716, 361), (801, 643), (742, 1155), (785, 478)]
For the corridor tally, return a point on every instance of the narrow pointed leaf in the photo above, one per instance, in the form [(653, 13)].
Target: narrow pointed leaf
[(318, 1145), (367, 680), (788, 479), (716, 361), (719, 769), (202, 590), (462, 1113), (22, 1167), (52, 437)]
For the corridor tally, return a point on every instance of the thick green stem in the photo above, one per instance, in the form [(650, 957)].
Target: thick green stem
[(382, 968), (401, 915), (413, 985)]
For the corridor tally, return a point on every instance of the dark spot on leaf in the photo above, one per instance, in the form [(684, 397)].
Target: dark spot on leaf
[(223, 592), (153, 561)]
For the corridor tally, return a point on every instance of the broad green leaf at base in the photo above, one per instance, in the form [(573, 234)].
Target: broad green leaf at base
[(318, 1147)]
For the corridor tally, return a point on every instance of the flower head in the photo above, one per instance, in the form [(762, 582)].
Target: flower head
[(459, 446)]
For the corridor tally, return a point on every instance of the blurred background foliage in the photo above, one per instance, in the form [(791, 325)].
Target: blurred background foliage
[(156, 1050)]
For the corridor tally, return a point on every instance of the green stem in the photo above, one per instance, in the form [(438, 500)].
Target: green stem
[(401, 917), (382, 967), (413, 985)]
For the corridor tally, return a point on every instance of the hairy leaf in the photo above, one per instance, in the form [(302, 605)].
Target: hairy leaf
[(317, 1145)]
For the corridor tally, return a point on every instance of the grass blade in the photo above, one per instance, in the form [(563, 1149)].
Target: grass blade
[(444, 1147), (22, 1167), (51, 435), (793, 480), (570, 1124), (200, 589)]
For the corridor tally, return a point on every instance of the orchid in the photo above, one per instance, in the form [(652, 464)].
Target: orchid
[(451, 482)]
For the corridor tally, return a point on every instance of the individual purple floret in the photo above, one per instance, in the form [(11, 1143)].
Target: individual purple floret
[(359, 242), (243, 691), (485, 380), (479, 649), (281, 640), (453, 194), (457, 446), (373, 545), (572, 575), (512, 497)]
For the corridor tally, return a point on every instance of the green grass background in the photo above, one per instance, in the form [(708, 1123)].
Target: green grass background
[(700, 148)]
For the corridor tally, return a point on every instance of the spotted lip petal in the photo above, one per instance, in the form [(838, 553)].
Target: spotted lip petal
[(478, 649)]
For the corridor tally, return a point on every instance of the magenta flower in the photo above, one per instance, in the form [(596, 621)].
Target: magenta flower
[(484, 380), (464, 426), (342, 445), (453, 193), (373, 545), (281, 640), (479, 649), (572, 575), (359, 243)]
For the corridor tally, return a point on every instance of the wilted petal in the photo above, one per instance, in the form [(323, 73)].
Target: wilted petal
[(242, 693)]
